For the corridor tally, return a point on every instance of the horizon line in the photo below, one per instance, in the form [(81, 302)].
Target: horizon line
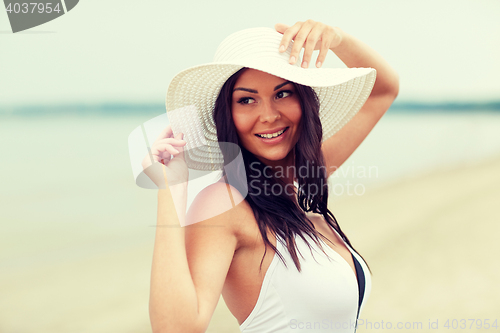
[(112, 107)]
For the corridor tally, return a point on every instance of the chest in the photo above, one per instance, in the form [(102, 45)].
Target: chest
[(250, 264), (332, 239)]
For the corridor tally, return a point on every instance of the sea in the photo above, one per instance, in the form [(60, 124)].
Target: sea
[(67, 176)]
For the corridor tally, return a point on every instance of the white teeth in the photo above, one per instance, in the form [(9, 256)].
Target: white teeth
[(269, 136)]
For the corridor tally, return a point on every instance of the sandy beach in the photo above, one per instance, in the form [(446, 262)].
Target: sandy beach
[(428, 240)]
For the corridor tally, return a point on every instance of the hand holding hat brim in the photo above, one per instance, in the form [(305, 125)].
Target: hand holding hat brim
[(165, 162), (310, 35)]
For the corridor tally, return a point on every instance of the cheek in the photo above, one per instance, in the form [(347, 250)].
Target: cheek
[(295, 115), (242, 122)]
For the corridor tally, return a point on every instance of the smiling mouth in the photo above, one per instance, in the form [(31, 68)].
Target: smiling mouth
[(272, 135)]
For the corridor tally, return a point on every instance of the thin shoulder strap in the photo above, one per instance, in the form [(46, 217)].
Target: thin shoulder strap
[(361, 282)]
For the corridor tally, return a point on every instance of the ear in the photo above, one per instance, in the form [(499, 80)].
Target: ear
[(281, 27)]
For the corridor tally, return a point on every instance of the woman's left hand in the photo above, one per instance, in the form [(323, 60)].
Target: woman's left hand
[(310, 35)]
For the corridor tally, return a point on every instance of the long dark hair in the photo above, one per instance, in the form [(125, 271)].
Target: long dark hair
[(278, 212)]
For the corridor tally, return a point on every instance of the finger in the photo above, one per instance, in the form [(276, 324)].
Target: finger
[(159, 156), (172, 145), (165, 133), (172, 141), (180, 154), (163, 159), (162, 148), (180, 149), (322, 54), (281, 28), (311, 41), (325, 46), (180, 137), (299, 41), (288, 36)]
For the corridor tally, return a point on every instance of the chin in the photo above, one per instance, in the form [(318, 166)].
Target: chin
[(273, 156)]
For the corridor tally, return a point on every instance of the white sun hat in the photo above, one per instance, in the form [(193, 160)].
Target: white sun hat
[(192, 93)]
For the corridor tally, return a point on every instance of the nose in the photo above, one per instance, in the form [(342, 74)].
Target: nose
[(269, 112)]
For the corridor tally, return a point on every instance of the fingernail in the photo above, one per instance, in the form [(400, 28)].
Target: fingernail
[(319, 64), (282, 48), (292, 60), (304, 64)]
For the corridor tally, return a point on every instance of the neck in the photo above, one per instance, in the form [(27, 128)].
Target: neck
[(283, 169)]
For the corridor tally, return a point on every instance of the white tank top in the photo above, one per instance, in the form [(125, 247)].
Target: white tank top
[(323, 297)]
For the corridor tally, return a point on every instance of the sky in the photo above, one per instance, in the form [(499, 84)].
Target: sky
[(121, 51)]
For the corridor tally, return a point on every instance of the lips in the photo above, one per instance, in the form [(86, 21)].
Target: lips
[(272, 134)]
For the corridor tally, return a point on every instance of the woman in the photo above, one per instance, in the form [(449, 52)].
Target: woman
[(280, 260)]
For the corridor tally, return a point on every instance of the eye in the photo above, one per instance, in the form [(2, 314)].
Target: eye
[(284, 93), (246, 100)]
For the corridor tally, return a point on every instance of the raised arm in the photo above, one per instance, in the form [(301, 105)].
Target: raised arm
[(354, 53), (190, 263)]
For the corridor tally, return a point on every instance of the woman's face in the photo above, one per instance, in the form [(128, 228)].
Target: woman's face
[(266, 112)]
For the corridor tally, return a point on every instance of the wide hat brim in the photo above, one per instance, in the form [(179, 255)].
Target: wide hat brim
[(192, 93)]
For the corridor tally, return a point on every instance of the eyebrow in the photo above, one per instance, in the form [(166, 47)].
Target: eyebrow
[(256, 92), (247, 89), (281, 85)]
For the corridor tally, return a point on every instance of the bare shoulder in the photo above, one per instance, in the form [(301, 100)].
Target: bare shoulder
[(221, 206), (217, 223)]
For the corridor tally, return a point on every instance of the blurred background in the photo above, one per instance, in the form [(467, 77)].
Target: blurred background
[(419, 199)]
